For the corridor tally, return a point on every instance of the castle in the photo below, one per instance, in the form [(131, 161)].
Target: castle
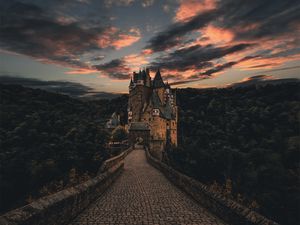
[(152, 111)]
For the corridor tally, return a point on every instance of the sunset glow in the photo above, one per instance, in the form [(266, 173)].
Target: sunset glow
[(93, 42)]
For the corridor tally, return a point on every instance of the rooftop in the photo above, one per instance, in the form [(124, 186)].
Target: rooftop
[(139, 126)]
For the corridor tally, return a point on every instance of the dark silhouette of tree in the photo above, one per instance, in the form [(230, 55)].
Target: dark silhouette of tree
[(119, 134), (247, 137), (49, 141)]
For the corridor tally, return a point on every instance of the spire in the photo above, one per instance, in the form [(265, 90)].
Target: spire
[(147, 71), (144, 74), (168, 85), (140, 76), (131, 82), (147, 78), (158, 81), (135, 77)]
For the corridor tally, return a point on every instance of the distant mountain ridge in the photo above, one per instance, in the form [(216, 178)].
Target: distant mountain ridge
[(73, 89), (262, 80)]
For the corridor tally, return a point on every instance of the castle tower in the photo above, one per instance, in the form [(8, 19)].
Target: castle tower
[(152, 110), (139, 91)]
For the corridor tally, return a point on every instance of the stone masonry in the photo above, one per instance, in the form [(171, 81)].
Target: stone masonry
[(143, 196)]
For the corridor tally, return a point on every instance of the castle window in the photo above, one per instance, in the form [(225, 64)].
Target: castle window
[(140, 82), (155, 112)]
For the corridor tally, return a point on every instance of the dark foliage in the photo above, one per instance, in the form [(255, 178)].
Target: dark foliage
[(248, 136), (48, 140)]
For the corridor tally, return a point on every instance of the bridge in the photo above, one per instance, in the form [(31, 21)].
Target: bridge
[(143, 195), (135, 188)]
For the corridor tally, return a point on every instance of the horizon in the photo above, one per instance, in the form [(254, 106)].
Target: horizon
[(195, 44)]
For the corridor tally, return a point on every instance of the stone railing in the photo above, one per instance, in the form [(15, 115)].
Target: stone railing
[(111, 163), (61, 207), (226, 209)]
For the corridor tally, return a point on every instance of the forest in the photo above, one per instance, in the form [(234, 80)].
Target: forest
[(243, 142), (49, 141)]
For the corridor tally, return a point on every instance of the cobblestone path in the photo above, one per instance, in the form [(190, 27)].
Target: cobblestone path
[(143, 196)]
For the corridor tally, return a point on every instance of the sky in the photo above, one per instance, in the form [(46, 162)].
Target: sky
[(97, 44)]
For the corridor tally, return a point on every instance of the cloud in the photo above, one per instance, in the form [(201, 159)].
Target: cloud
[(115, 69), (81, 71), (282, 69), (195, 57), (51, 36), (124, 40), (259, 77), (120, 69), (264, 18), (110, 3), (210, 36), (28, 29), (197, 76), (113, 37), (174, 34), (147, 3), (190, 8), (206, 36), (215, 35), (221, 67), (233, 19)]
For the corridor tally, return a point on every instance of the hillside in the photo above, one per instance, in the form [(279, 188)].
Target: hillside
[(242, 141), (48, 141), (245, 143)]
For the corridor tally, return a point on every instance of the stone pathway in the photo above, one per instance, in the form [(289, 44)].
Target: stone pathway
[(143, 196)]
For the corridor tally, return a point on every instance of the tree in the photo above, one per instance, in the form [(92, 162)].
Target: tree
[(119, 134)]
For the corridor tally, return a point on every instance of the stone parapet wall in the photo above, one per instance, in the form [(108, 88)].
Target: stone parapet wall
[(112, 163), (61, 207), (156, 148), (226, 209)]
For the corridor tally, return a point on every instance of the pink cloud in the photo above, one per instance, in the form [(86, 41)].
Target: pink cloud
[(135, 61), (82, 71), (190, 8), (112, 37), (215, 35), (125, 40)]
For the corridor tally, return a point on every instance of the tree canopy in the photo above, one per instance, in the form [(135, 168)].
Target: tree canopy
[(49, 141), (247, 137)]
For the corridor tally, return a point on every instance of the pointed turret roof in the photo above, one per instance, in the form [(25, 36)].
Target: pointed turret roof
[(144, 75), (156, 102), (158, 81), (168, 85), (135, 77), (131, 82)]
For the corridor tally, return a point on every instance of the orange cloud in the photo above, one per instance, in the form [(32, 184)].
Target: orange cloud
[(82, 71), (113, 38), (266, 63), (147, 51), (190, 8), (135, 61), (215, 35), (105, 40), (125, 40), (175, 75), (271, 60)]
